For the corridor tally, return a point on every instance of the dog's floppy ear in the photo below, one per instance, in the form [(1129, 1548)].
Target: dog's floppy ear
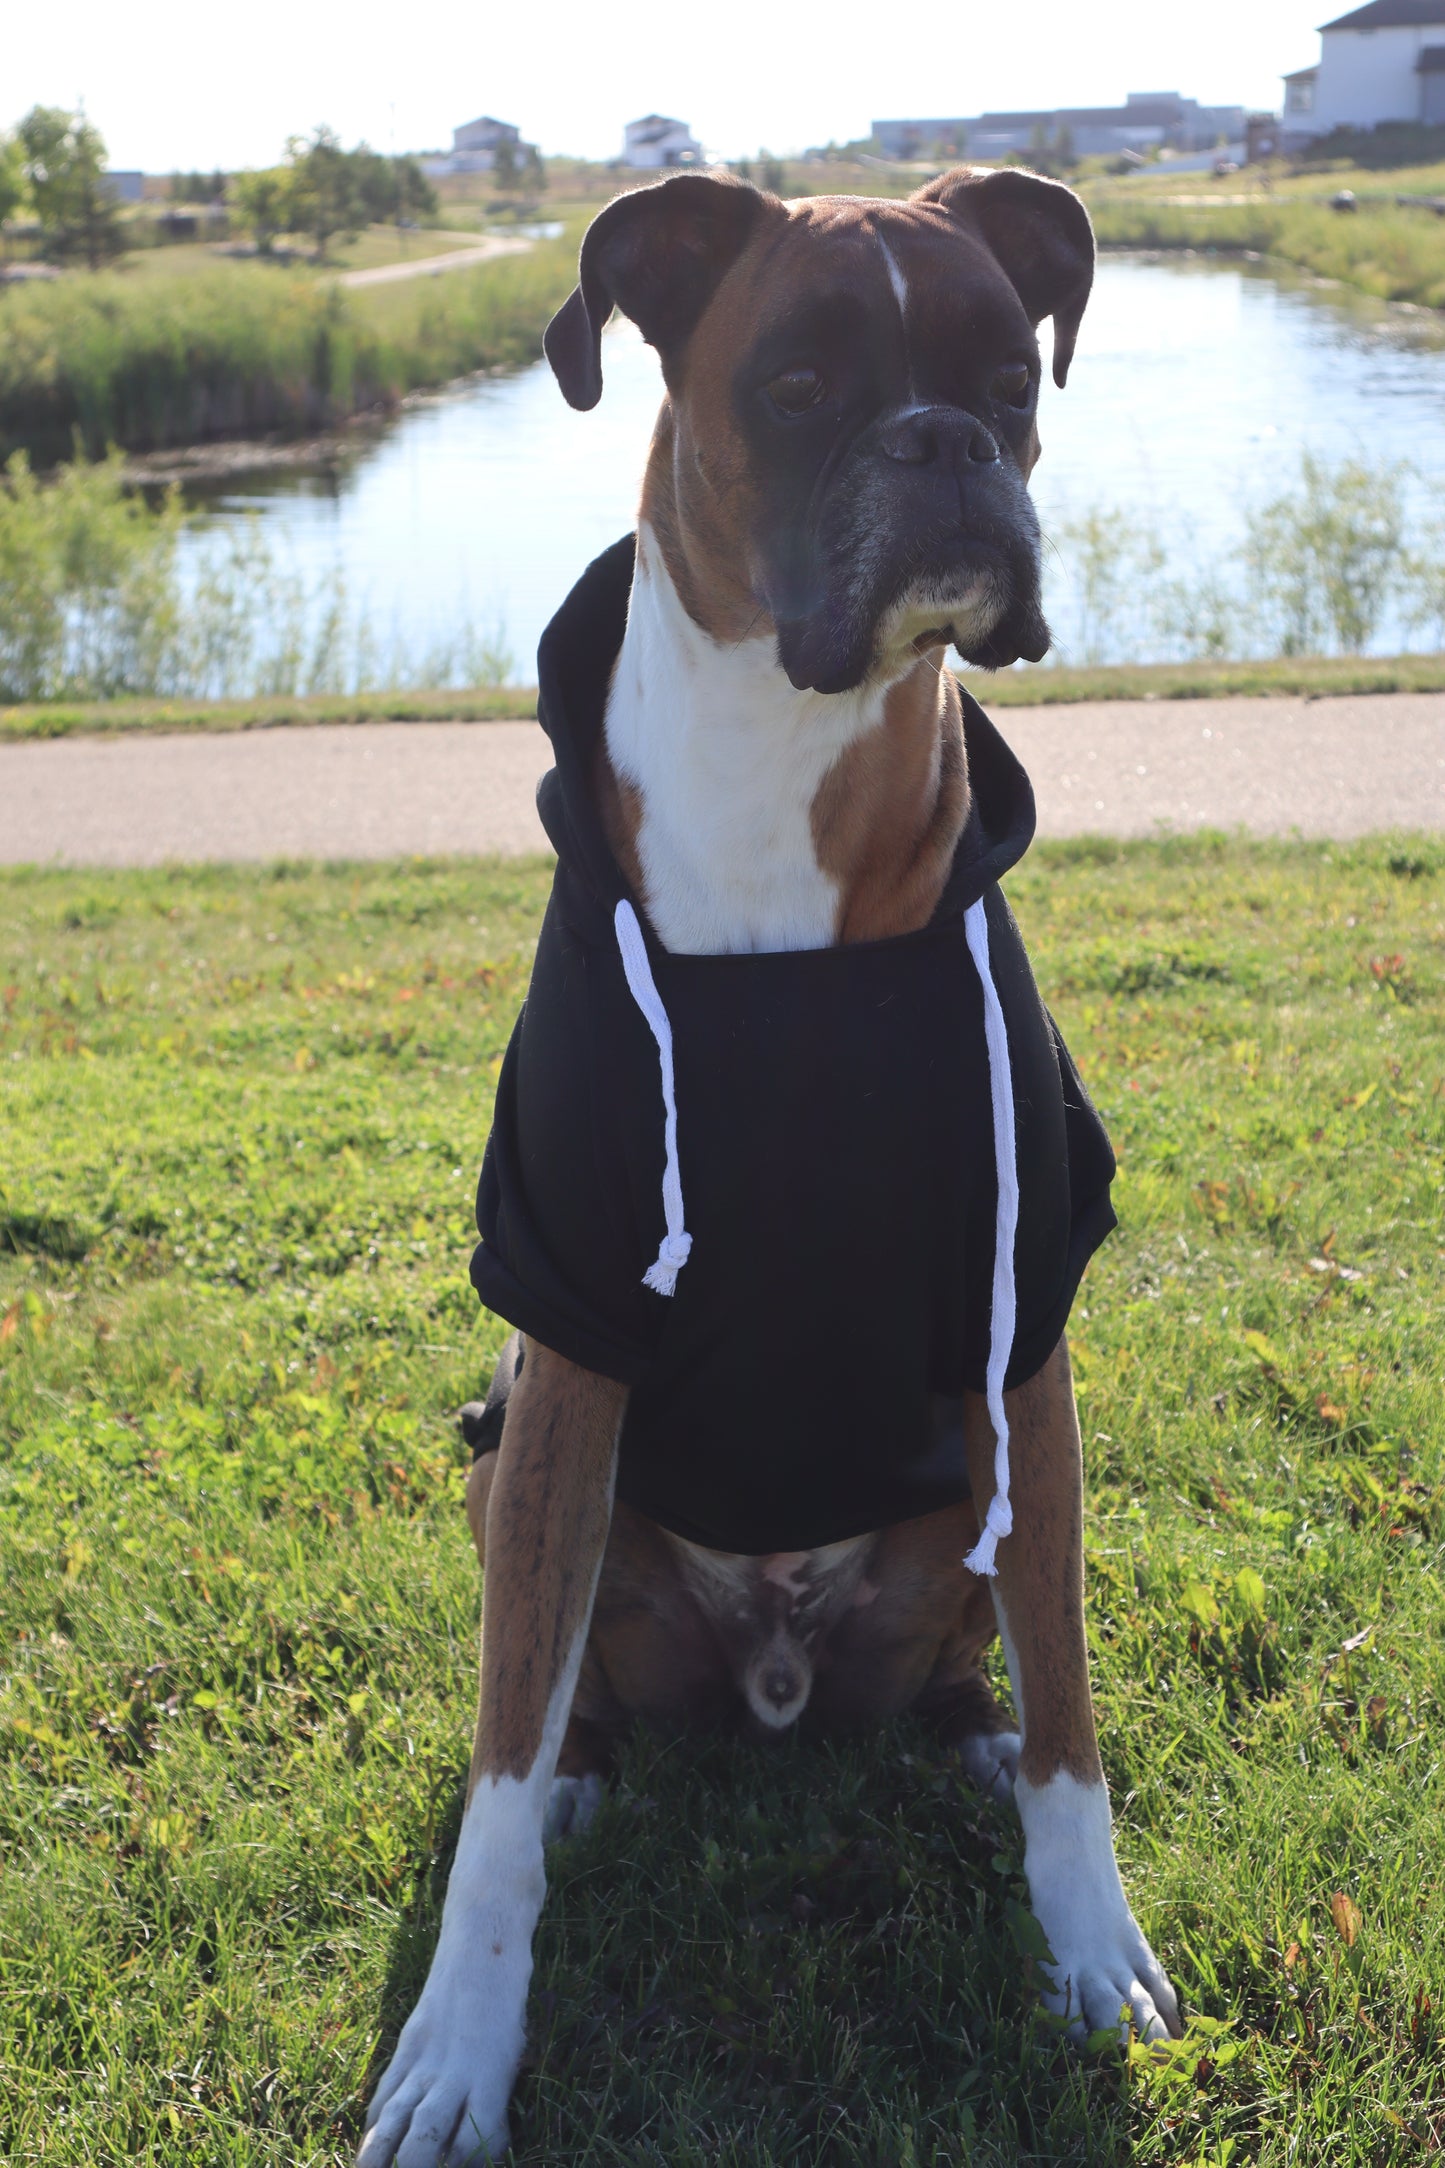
[(1040, 233), (657, 254)]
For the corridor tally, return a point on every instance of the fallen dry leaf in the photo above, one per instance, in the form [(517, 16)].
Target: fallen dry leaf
[(1347, 1917)]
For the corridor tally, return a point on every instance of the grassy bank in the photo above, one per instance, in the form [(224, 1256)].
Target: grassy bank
[(243, 1115), (235, 349), (1395, 254), (1316, 678), (108, 718)]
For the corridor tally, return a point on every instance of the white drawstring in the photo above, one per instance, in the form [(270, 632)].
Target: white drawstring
[(983, 1558), (661, 1277), (677, 1242)]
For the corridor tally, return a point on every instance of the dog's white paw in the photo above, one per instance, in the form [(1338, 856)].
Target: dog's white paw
[(991, 1762), (1104, 1974), (443, 2099), (1106, 1978), (571, 1804)]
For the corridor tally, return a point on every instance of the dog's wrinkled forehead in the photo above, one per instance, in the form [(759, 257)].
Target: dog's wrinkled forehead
[(903, 286)]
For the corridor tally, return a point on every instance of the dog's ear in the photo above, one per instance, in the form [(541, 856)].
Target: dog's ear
[(1040, 233), (657, 254)]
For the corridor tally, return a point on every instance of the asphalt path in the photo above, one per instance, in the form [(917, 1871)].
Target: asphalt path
[(1332, 767)]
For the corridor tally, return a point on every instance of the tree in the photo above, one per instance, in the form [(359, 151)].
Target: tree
[(198, 187), (327, 199), (323, 190), (12, 182), (64, 161), (391, 188), (504, 166), (264, 204)]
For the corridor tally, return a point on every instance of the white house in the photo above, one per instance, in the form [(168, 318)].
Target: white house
[(475, 146), (657, 141), (1379, 63)]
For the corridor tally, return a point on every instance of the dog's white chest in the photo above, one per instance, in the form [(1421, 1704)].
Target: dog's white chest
[(727, 760)]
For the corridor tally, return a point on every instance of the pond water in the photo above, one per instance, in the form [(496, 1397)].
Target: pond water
[(1197, 387)]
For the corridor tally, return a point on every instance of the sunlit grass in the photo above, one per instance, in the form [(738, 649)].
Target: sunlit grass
[(242, 1115)]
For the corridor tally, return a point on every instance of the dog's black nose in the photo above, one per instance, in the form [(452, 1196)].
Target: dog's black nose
[(911, 441), (932, 433), (781, 1686)]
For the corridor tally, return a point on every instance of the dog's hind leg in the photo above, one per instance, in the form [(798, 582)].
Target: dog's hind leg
[(444, 2095), (1102, 1964), (959, 1708)]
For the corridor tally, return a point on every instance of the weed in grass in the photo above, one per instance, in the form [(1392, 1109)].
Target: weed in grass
[(242, 1115)]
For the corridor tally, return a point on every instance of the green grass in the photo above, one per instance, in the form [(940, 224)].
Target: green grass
[(105, 718), (1316, 677), (183, 260), (242, 1117), (1395, 254), (147, 358)]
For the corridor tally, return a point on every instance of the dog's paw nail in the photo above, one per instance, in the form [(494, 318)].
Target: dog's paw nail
[(571, 1804), (991, 1762)]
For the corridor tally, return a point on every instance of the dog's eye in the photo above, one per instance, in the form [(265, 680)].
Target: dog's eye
[(796, 390), (1013, 384)]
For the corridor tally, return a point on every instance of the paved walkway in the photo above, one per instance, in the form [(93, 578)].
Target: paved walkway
[(1339, 767), (460, 259)]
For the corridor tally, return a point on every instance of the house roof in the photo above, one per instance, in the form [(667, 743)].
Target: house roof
[(1301, 75), (1391, 15), (1431, 61)]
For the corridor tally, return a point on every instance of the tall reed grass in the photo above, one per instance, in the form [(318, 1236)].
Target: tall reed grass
[(93, 605), (237, 349), (1395, 254), (1323, 568)]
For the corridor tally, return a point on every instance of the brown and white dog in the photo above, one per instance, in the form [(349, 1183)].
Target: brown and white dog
[(835, 491)]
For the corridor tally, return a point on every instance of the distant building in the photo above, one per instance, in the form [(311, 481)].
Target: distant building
[(1378, 63), (475, 146), (1147, 120), (126, 187), (657, 141)]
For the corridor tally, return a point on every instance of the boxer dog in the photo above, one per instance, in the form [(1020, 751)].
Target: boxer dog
[(836, 491)]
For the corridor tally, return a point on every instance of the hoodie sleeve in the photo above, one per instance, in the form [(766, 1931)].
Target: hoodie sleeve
[(550, 1187)]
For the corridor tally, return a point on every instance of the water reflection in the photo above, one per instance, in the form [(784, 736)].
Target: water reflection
[(1197, 387)]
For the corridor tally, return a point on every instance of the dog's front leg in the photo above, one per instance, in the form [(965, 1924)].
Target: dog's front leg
[(1102, 1961), (444, 2095)]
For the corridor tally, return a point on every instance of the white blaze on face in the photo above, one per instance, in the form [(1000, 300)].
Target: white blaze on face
[(900, 294), (895, 278)]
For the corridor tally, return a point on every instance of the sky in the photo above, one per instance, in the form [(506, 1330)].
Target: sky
[(225, 87)]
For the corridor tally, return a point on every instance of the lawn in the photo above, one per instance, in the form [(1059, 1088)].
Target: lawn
[(242, 1117), (182, 260), (1048, 684)]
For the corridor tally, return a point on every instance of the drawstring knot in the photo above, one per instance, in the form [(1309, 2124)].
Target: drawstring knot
[(661, 1275)]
